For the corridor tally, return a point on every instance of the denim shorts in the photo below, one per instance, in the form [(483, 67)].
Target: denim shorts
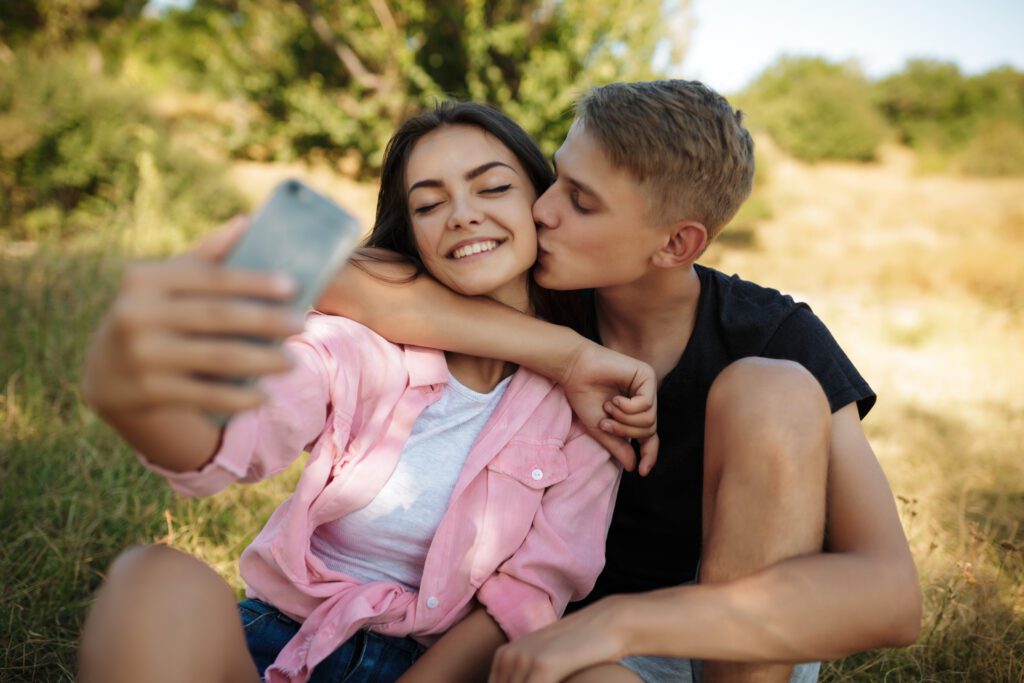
[(668, 670), (364, 658)]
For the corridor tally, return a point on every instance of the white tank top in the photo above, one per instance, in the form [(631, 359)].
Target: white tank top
[(388, 539)]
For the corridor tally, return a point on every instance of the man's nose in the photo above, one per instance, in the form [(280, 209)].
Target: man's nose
[(543, 210)]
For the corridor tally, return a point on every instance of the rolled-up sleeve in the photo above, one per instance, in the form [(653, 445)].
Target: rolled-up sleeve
[(563, 553), (260, 443)]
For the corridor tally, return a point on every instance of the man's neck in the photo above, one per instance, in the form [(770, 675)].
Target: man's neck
[(652, 318)]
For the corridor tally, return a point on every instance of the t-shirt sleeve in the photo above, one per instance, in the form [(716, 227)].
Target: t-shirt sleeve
[(803, 338)]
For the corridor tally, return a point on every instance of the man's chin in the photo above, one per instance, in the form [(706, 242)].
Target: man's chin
[(549, 279)]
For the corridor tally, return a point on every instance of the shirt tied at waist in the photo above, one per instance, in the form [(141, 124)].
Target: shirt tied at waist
[(356, 606)]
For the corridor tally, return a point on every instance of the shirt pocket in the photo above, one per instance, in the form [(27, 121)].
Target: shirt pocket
[(516, 480), (534, 466)]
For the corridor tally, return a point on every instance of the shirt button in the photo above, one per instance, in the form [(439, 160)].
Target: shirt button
[(432, 602), (537, 474)]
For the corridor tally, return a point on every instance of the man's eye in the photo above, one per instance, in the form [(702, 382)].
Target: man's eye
[(497, 190), (425, 208), (574, 197)]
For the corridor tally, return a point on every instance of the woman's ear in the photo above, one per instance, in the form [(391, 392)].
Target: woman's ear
[(684, 244)]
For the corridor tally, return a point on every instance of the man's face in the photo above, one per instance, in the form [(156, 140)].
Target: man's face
[(593, 224)]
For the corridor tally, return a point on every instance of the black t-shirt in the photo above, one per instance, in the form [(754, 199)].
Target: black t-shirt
[(655, 536)]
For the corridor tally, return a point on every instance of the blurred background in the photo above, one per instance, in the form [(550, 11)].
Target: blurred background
[(889, 195)]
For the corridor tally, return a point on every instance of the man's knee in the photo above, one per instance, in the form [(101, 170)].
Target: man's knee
[(773, 413)]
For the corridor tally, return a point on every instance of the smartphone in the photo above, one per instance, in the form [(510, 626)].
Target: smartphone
[(299, 233)]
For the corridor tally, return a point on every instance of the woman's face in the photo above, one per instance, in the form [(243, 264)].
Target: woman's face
[(470, 206)]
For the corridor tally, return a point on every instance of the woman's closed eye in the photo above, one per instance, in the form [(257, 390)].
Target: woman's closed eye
[(498, 189), (426, 208)]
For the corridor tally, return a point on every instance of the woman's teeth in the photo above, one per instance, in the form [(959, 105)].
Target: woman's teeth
[(475, 248)]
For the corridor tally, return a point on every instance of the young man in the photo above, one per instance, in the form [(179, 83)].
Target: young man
[(722, 552)]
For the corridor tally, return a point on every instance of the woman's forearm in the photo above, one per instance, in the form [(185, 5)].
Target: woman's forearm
[(409, 309), (463, 654)]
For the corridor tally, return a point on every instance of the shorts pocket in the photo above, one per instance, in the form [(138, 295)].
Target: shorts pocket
[(254, 611)]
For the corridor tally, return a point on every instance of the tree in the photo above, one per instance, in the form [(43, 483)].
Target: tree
[(815, 109), (338, 77)]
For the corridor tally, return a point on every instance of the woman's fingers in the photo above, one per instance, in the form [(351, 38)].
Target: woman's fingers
[(218, 316), (625, 431), (648, 454), (188, 275), (217, 244), (226, 358), (638, 403), (620, 449), (167, 390), (645, 418)]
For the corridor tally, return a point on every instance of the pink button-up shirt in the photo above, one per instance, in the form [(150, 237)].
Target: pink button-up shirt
[(525, 527)]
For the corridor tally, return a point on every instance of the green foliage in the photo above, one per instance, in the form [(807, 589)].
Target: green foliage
[(338, 77), (815, 109), (975, 123), (62, 21), (997, 149), (79, 150)]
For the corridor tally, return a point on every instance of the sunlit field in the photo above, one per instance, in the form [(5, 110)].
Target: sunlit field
[(921, 278)]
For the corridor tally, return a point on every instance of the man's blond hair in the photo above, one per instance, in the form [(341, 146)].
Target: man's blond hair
[(681, 141)]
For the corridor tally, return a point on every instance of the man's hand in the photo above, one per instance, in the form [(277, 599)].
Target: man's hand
[(615, 397), (175, 322), (577, 642)]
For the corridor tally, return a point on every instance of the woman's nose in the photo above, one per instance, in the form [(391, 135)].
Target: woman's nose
[(464, 214)]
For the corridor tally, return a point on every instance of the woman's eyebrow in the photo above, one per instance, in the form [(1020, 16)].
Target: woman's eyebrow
[(480, 170), (470, 175)]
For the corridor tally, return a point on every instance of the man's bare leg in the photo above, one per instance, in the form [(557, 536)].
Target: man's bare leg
[(765, 468), (161, 616)]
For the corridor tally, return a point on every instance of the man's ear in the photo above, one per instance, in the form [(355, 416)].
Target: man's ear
[(685, 242)]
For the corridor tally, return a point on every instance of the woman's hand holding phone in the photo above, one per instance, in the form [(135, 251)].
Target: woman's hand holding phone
[(174, 334)]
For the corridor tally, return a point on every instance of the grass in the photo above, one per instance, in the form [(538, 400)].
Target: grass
[(919, 278)]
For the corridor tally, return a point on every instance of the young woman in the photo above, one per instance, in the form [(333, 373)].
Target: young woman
[(440, 489)]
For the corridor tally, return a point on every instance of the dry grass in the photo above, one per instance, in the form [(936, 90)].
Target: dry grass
[(918, 277)]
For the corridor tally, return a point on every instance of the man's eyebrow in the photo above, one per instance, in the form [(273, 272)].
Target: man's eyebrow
[(470, 175), (573, 181)]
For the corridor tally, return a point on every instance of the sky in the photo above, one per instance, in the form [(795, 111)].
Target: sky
[(732, 41)]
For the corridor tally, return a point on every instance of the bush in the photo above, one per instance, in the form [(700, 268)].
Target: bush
[(815, 110), (997, 149), (973, 123), (79, 151)]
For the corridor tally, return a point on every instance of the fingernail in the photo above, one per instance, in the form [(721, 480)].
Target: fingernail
[(606, 426)]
